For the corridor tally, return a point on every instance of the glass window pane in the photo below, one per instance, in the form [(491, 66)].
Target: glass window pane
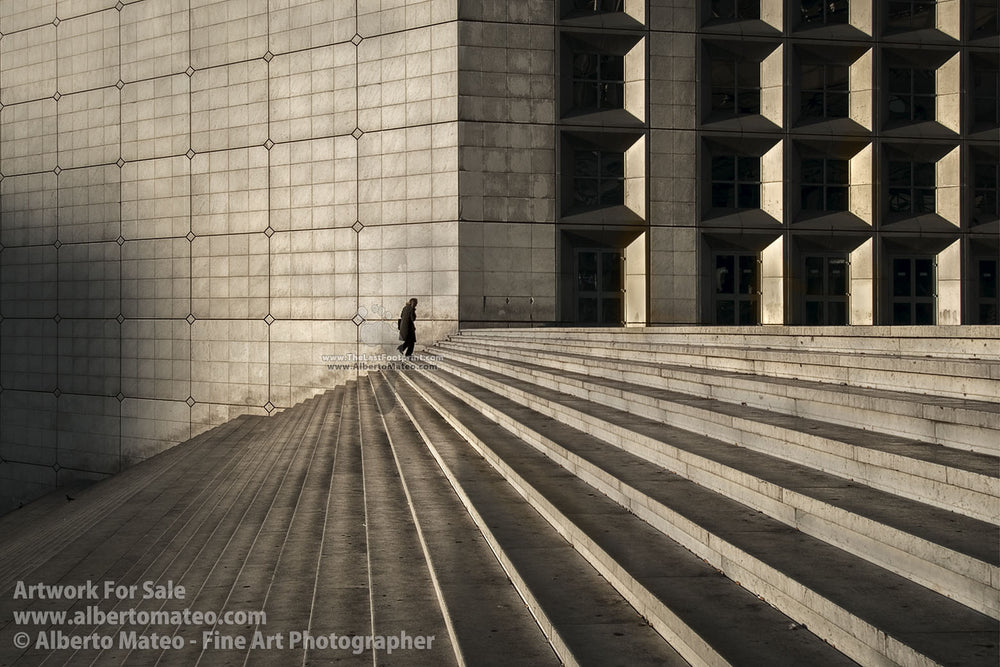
[(836, 172), (612, 68), (612, 193), (900, 200), (749, 9), (812, 198), (611, 311), (724, 274), (987, 278), (587, 272), (749, 169), (836, 199), (901, 277), (748, 74), (585, 192), (723, 168), (901, 313), (837, 105), (748, 196), (748, 274), (922, 108), (836, 313), (923, 174), (586, 163), (923, 313), (814, 313), (611, 271), (814, 276), (924, 277), (837, 77), (723, 195), (585, 66), (725, 312), (812, 171), (724, 9), (923, 201), (899, 173), (899, 107), (748, 101), (923, 81), (584, 95), (812, 104), (812, 76), (837, 276), (613, 164), (723, 74), (612, 96), (985, 175), (899, 80)]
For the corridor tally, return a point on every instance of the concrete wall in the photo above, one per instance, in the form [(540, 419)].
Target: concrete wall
[(202, 201), (507, 179)]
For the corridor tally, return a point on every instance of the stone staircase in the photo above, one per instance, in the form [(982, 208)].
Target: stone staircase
[(656, 496)]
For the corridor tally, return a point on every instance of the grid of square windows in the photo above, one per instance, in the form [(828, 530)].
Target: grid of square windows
[(922, 107)]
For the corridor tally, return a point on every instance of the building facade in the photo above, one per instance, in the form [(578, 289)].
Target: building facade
[(212, 207)]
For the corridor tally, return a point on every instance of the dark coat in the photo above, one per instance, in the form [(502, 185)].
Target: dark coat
[(407, 324)]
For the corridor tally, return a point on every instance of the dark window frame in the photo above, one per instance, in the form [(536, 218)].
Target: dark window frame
[(832, 99), (909, 294), (824, 304), (989, 24), (603, 87), (739, 93), (819, 12), (986, 96), (905, 15), (826, 186), (734, 10), (599, 178), (741, 179), (907, 86), (985, 191), (909, 188), (589, 7)]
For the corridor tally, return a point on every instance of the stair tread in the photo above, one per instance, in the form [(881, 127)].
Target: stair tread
[(974, 462), (581, 605), (731, 619), (942, 626), (959, 533), (468, 573), (885, 395)]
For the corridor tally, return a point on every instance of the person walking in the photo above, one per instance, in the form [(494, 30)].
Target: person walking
[(408, 327)]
